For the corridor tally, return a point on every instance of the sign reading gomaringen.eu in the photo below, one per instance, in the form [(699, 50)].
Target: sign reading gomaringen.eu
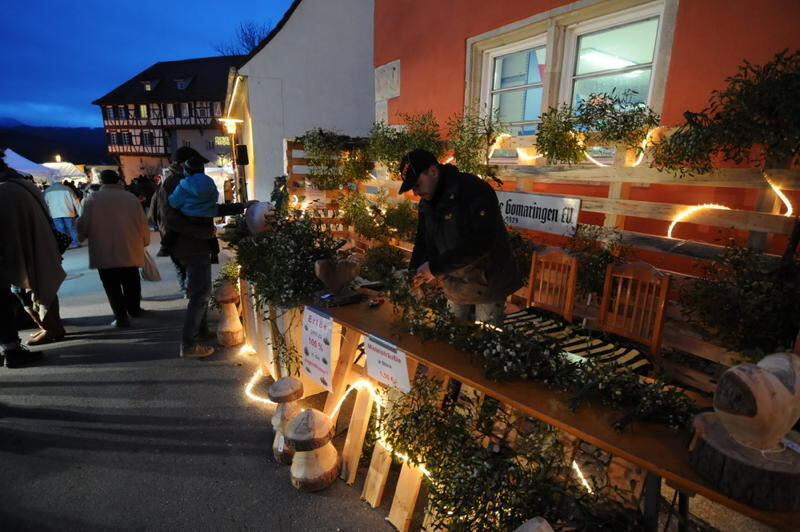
[(540, 212)]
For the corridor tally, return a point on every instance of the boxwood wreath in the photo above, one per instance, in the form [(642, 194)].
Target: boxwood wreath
[(473, 486)]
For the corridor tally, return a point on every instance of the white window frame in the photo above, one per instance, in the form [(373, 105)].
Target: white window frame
[(575, 31), (113, 138), (170, 110), (489, 56)]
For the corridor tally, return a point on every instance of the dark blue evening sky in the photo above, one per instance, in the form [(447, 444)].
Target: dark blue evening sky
[(57, 56)]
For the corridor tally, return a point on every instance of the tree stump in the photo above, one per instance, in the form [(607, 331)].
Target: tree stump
[(229, 329), (316, 462), (763, 480)]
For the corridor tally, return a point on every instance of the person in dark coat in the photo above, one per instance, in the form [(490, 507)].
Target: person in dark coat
[(461, 238), (193, 249)]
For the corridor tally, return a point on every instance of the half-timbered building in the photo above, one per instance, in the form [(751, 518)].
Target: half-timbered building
[(169, 105)]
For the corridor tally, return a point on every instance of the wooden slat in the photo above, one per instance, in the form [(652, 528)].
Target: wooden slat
[(343, 362), (746, 220), (378, 473), (644, 175), (405, 497), (354, 443)]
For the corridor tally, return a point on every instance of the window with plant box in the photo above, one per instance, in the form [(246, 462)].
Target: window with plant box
[(514, 84), (593, 48)]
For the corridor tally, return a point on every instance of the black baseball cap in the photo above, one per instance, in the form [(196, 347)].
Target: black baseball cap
[(184, 153), (412, 165)]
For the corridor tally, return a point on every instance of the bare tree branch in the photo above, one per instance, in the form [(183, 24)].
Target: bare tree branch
[(249, 34)]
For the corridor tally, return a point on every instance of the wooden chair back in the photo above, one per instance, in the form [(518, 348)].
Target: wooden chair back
[(552, 281), (634, 304)]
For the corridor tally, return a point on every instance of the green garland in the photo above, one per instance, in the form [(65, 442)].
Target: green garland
[(507, 354), (477, 487)]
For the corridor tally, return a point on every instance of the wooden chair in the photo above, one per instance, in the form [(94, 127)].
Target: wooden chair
[(633, 307), (634, 304), (551, 287), (552, 281)]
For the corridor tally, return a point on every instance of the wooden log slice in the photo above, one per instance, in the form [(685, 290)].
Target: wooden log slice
[(767, 481), (226, 293), (230, 338), (309, 430), (317, 469), (285, 389)]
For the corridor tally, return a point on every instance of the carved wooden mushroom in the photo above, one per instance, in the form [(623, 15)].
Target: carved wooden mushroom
[(316, 463), (229, 330), (285, 391)]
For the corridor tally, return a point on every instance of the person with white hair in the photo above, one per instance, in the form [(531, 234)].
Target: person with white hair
[(64, 208)]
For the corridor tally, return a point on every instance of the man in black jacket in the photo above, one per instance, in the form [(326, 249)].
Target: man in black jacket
[(461, 238)]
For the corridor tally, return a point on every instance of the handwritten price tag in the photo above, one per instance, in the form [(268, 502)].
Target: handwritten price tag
[(387, 364)]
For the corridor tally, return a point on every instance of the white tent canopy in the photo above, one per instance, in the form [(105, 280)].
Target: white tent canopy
[(24, 166), (66, 171)]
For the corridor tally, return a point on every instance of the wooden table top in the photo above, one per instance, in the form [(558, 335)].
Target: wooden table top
[(653, 447)]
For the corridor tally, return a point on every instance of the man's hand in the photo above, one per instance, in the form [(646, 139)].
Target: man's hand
[(423, 276)]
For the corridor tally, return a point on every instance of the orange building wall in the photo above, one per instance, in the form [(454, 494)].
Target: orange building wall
[(711, 39)]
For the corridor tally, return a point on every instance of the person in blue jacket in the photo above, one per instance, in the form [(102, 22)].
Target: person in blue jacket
[(196, 194)]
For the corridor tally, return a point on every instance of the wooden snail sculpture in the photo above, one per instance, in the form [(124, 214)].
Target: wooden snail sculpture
[(746, 446), (316, 462), (229, 330), (285, 391)]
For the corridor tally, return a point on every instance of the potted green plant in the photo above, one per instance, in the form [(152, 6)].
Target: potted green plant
[(388, 144)]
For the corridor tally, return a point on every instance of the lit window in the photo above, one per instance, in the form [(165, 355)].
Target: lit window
[(170, 110), (516, 88), (144, 112), (185, 110), (614, 59)]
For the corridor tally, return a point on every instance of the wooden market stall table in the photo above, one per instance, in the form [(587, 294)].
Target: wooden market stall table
[(660, 451)]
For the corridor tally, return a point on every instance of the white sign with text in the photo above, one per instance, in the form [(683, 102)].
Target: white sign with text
[(317, 333), (540, 212), (386, 364)]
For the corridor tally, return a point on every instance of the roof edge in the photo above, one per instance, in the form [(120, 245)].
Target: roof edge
[(278, 27)]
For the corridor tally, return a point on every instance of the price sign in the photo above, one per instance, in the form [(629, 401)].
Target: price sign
[(317, 333), (386, 364)]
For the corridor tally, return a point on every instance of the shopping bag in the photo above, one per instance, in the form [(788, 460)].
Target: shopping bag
[(150, 269)]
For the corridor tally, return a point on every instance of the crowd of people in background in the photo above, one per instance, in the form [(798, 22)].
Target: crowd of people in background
[(114, 219)]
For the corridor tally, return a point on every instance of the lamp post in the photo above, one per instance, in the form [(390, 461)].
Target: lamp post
[(239, 187)]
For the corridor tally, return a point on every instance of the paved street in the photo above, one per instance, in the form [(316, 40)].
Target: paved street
[(112, 431)]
